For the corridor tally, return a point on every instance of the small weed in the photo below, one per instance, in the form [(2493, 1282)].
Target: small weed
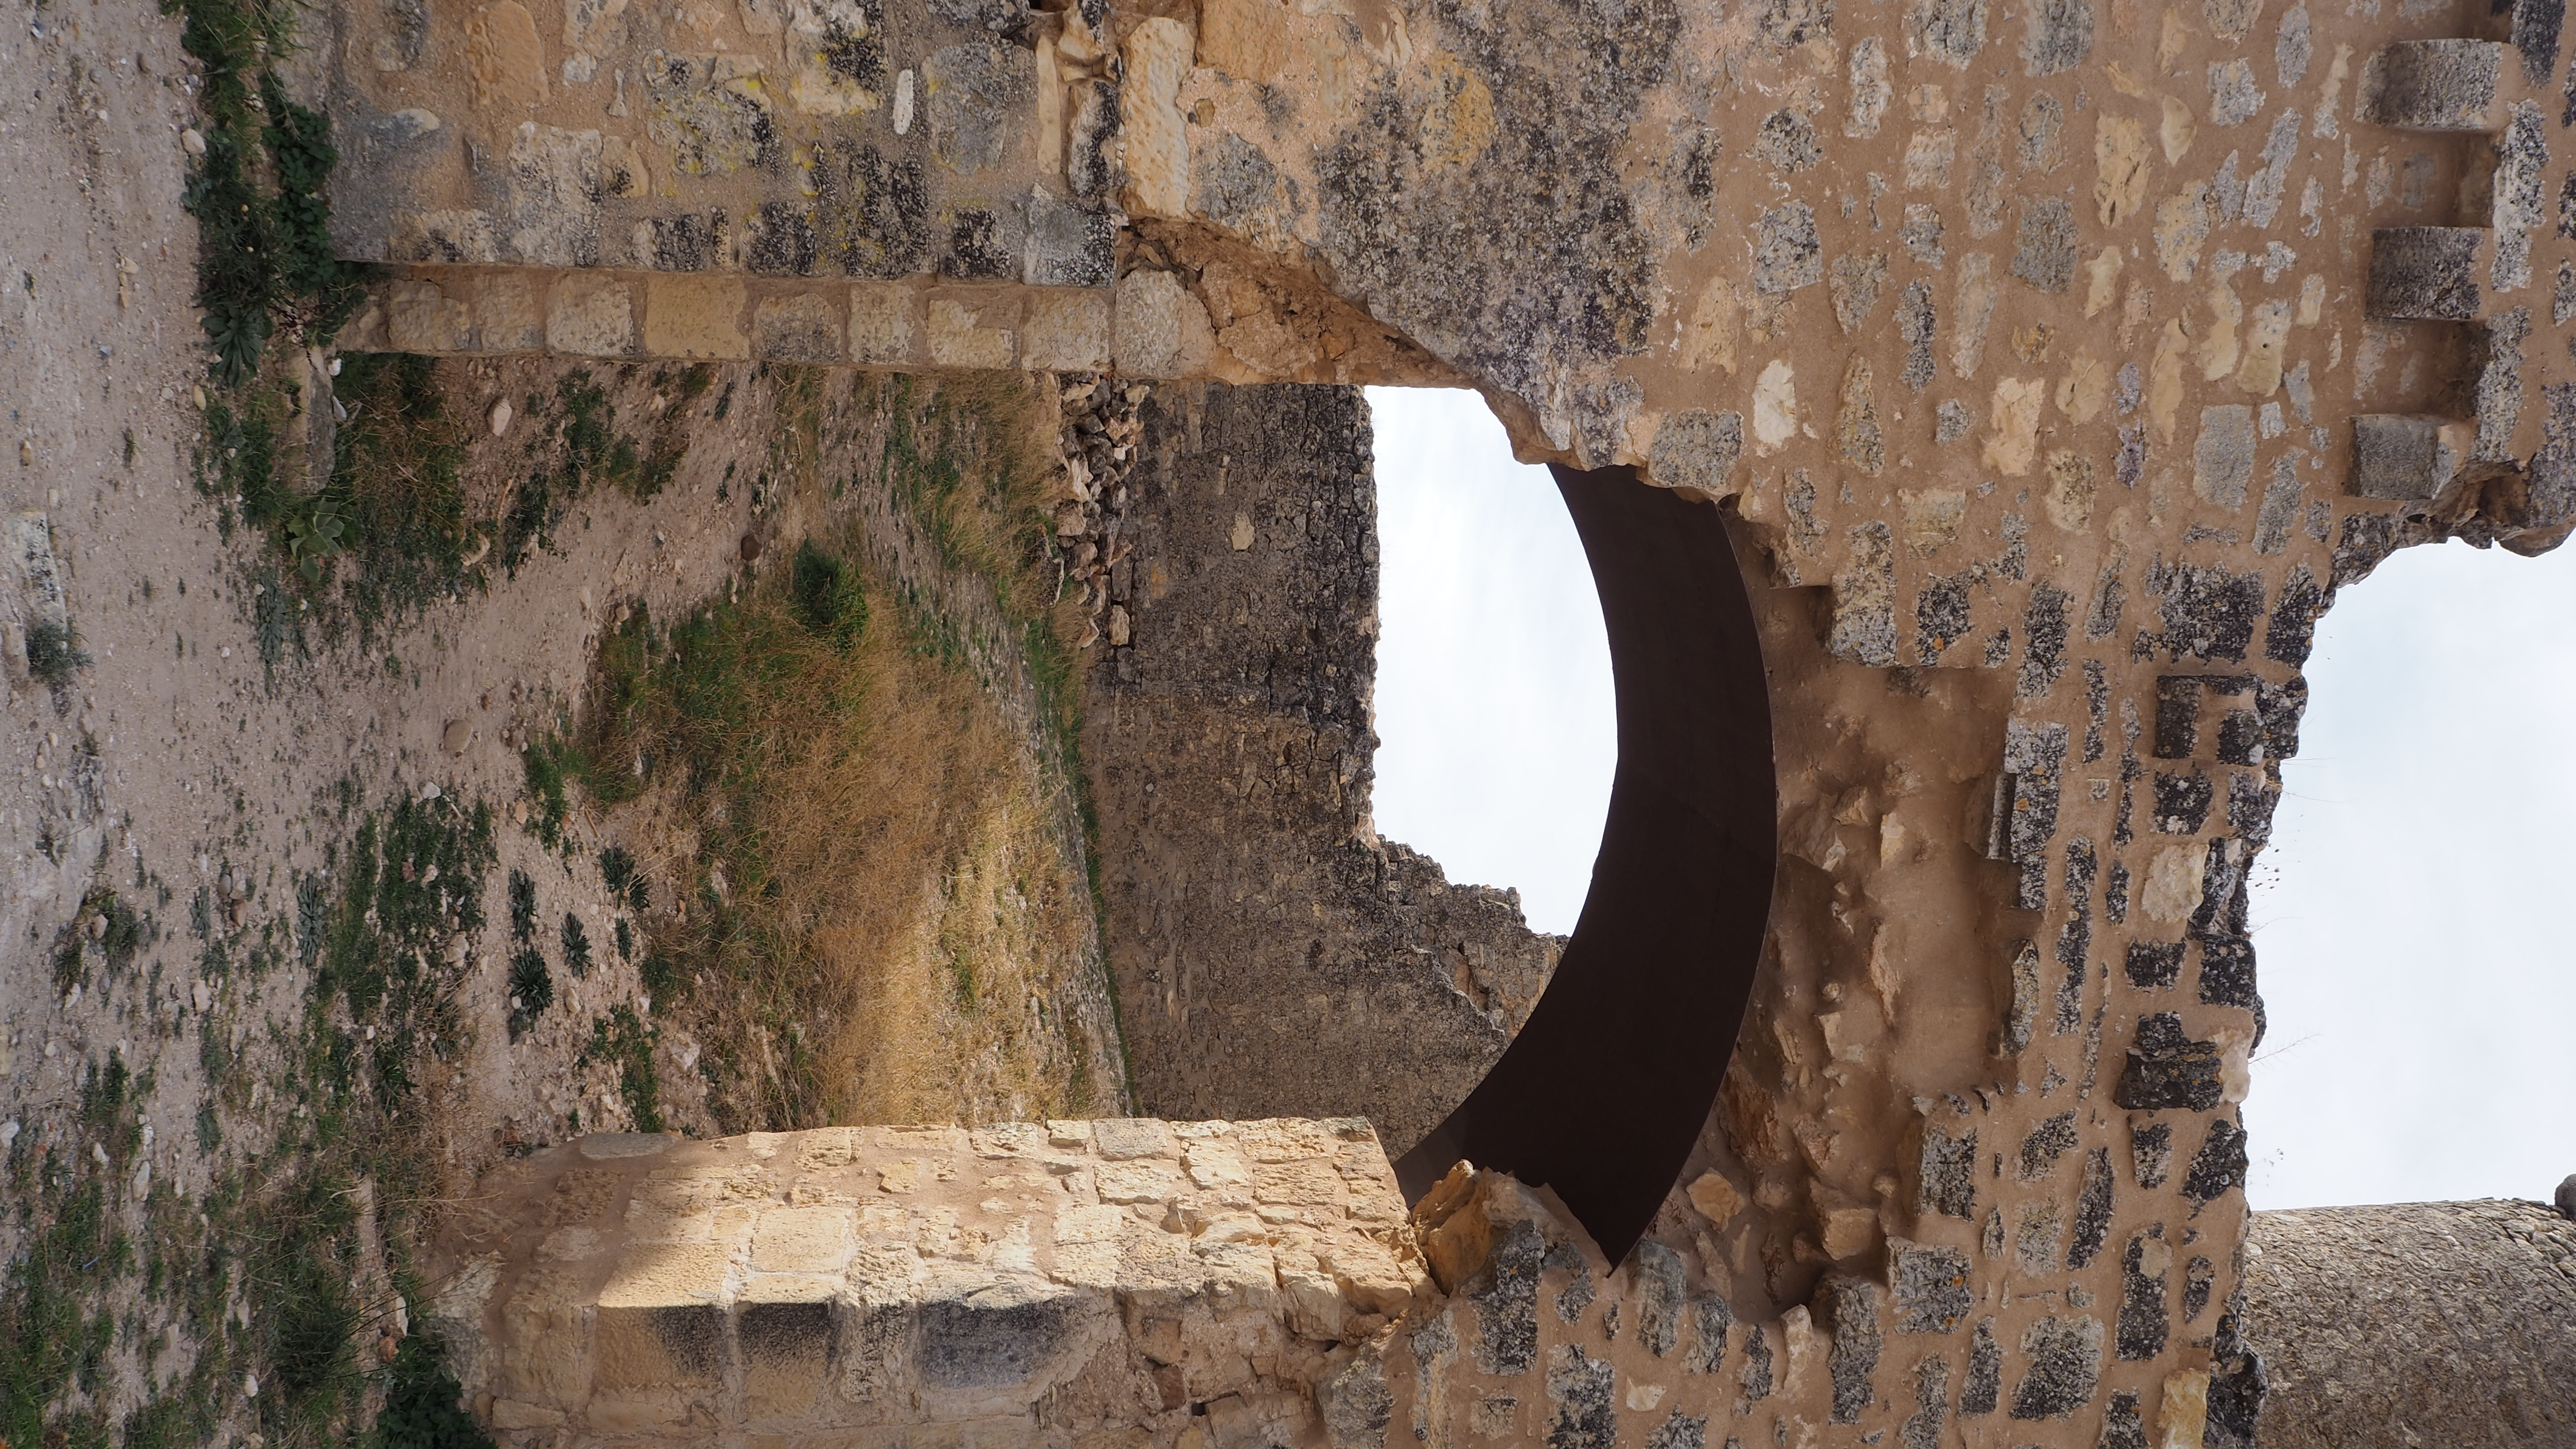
[(523, 906), (422, 1402), (532, 988), (54, 655), (627, 1040), (576, 946), (626, 883)]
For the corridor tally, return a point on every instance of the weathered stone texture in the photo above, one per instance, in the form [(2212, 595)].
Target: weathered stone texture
[(2431, 1323), (1024, 1282)]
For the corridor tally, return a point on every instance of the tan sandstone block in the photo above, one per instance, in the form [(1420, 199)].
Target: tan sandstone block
[(546, 1355), (882, 326), (797, 328), (1141, 1181), (1158, 144), (801, 1240), (512, 1414), (1160, 329), (509, 312), (504, 56), (1066, 330), (785, 1328), (421, 317), (695, 316), (590, 316), (959, 337)]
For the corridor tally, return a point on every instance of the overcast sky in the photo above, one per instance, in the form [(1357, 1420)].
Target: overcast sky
[(2410, 916)]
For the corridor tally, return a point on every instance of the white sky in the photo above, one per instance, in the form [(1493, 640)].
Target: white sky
[(2419, 979)]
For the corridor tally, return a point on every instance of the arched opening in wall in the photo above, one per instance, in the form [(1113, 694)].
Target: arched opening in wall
[(1497, 736), (2418, 972)]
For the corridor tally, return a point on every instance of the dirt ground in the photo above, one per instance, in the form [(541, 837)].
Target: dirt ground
[(180, 804)]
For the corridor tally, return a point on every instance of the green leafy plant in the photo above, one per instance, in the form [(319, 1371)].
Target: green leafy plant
[(318, 533)]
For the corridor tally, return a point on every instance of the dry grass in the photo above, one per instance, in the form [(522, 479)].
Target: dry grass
[(876, 920)]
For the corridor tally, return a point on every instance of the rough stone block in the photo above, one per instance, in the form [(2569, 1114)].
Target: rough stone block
[(695, 316), (967, 332), (590, 316), (2426, 273), (882, 325), (2433, 85), (1160, 329), (2403, 456), (799, 327), (1066, 331), (421, 317), (509, 312)]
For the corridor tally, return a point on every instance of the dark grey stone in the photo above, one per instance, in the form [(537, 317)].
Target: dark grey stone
[(1577, 1294), (1756, 1378), (1856, 281), (2218, 1166), (1952, 31), (2142, 1328), (1786, 254), (2167, 1069), (2060, 36), (2566, 1198), (2243, 738), (2065, 1367), (1946, 1173), (2251, 798), (2198, 1277), (2043, 641), (2425, 273), (693, 1336), (1579, 1385), (2536, 26), (977, 94), (2208, 613), (2122, 1425), (784, 1335), (1922, 1428), (872, 210), (2227, 971), (1851, 1316), (2093, 1206), (1952, 421), (1357, 1405), (1068, 245), (2398, 456), (1931, 1288), (2034, 757), (1787, 141), (1660, 1280), (2182, 802), (1941, 616), (1710, 1319), (2046, 1143), (2222, 455), (2432, 85), (2280, 510), (1505, 1297), (1696, 449), (2045, 254), (2154, 965), (1984, 1384), (1680, 1431), (2522, 154)]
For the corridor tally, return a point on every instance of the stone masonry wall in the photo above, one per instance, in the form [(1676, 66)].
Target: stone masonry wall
[(1272, 955), (1018, 1284)]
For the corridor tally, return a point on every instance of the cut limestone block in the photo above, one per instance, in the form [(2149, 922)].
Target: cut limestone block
[(2434, 85), (1050, 1279)]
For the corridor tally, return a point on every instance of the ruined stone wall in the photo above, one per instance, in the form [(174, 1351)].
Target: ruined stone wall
[(2419, 1323), (1272, 955)]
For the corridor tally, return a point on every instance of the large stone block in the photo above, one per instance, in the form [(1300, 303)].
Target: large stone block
[(695, 317), (2426, 273), (2433, 85)]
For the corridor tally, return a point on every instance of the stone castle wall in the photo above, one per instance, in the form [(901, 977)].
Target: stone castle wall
[(1272, 955)]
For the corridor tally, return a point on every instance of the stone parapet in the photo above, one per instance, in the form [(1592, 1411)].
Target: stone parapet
[(1020, 1284)]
